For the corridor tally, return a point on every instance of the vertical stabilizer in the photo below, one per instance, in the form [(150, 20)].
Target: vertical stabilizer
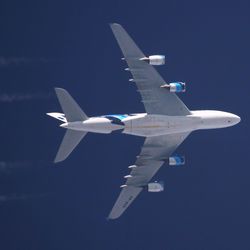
[(72, 113), (69, 106)]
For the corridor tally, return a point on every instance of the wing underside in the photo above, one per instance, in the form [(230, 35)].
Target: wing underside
[(156, 100), (155, 151)]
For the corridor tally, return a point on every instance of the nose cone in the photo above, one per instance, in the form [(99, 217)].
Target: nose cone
[(234, 119)]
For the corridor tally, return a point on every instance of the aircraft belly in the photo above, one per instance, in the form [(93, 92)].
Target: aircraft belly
[(95, 125), (155, 125)]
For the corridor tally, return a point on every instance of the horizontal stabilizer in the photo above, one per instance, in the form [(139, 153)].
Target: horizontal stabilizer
[(58, 116), (70, 140)]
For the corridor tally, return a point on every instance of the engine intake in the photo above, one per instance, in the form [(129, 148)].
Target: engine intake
[(154, 59), (176, 87), (155, 187), (176, 160)]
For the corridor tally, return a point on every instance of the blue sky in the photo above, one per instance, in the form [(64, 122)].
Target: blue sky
[(69, 44)]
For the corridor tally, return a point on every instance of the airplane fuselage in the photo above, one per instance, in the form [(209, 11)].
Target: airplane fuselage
[(144, 124), (165, 126)]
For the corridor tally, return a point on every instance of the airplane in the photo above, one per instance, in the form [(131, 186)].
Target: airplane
[(165, 125)]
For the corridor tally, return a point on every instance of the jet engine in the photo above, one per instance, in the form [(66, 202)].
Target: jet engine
[(176, 87), (155, 187), (176, 160), (154, 59)]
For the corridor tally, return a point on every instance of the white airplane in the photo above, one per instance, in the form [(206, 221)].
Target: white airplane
[(165, 125)]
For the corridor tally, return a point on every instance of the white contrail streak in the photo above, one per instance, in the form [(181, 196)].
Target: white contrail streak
[(15, 164), (18, 97), (8, 167), (16, 196), (8, 61)]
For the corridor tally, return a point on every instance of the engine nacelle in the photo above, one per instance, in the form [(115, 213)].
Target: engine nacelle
[(154, 59), (176, 160), (176, 87), (155, 187)]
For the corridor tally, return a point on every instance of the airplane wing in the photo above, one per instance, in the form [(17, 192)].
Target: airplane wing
[(155, 151), (156, 100)]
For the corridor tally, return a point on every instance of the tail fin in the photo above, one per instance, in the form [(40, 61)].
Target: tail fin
[(70, 108), (70, 140), (72, 113)]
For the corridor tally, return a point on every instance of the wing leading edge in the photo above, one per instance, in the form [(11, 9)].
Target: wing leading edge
[(155, 151), (156, 100)]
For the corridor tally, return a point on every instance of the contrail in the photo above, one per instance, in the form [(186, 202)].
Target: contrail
[(16, 196), (9, 61), (18, 97), (9, 167), (6, 164)]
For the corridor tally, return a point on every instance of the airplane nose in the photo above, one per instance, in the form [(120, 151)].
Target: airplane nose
[(235, 119)]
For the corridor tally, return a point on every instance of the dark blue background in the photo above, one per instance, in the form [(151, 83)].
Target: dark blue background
[(206, 203)]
